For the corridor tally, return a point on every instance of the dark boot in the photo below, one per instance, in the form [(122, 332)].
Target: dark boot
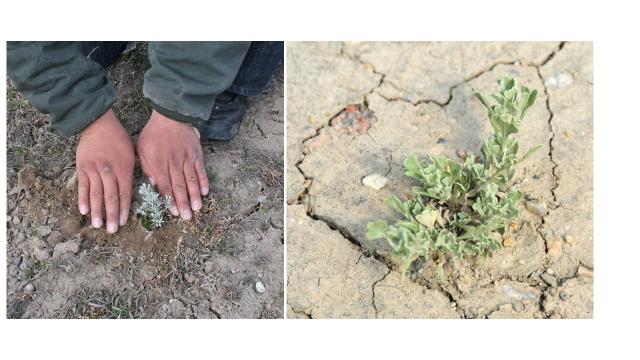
[(226, 116)]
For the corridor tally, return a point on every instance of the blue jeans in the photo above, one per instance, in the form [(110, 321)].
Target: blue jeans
[(257, 67)]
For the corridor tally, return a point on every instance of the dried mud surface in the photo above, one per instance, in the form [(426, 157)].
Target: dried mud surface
[(59, 267), (421, 99)]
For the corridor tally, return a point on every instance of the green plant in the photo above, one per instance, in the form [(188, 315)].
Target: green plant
[(153, 208), (462, 208)]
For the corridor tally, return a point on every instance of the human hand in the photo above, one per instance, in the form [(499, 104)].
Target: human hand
[(171, 157), (104, 168)]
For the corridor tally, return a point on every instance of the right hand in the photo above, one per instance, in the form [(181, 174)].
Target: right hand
[(104, 167)]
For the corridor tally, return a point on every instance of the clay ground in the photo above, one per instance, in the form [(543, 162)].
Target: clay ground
[(59, 267), (420, 95)]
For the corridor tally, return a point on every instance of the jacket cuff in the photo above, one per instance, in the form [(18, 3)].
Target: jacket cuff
[(173, 115), (84, 114)]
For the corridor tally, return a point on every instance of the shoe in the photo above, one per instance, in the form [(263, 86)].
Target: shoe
[(226, 116)]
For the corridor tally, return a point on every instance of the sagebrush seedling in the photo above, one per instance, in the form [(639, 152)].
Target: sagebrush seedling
[(462, 208), (153, 208)]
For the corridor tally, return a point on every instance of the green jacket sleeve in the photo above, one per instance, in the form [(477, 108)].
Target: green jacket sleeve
[(59, 80), (185, 77)]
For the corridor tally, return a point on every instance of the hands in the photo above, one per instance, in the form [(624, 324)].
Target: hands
[(104, 166), (171, 156)]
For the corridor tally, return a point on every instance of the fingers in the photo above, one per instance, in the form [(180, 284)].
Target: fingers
[(179, 187), (95, 197), (83, 191), (111, 198), (146, 169), (193, 185), (165, 188), (202, 176), (124, 187)]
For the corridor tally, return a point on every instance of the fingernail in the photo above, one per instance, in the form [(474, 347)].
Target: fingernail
[(185, 214), (152, 181), (96, 223), (204, 190), (174, 210), (123, 218), (196, 205), (84, 209), (112, 228)]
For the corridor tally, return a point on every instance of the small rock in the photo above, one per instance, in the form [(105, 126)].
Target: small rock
[(583, 271), (29, 288), (262, 198), (549, 279), (563, 295), (55, 238), (441, 141), (173, 301), (550, 271), (559, 79), (16, 220), (71, 183), (521, 262), (508, 241), (17, 260), (375, 181), (260, 288), (43, 231), (536, 208), (568, 134), (462, 154), (69, 247), (554, 248), (39, 249), (570, 239)]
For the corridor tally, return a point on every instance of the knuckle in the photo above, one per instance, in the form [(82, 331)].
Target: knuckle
[(105, 169), (96, 193), (125, 195), (111, 198), (83, 187), (165, 189), (193, 179), (181, 188)]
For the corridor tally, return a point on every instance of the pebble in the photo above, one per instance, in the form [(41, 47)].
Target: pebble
[(563, 295), (508, 241), (71, 183), (262, 198), (16, 220), (260, 288), (43, 231), (375, 181), (559, 79), (69, 247), (550, 279), (17, 260), (570, 239), (29, 288), (536, 208), (521, 262)]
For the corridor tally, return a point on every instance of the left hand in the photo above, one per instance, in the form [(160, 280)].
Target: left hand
[(171, 157)]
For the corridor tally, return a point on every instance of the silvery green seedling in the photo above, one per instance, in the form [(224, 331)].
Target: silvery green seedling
[(462, 208), (153, 208)]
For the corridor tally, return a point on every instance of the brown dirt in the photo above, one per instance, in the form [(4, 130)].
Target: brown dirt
[(59, 267)]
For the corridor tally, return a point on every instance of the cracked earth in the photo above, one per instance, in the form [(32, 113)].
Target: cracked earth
[(421, 99)]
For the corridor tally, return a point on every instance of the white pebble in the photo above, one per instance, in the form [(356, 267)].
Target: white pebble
[(375, 181), (260, 288)]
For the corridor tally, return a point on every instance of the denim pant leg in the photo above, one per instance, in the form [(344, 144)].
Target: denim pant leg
[(104, 53), (257, 67)]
